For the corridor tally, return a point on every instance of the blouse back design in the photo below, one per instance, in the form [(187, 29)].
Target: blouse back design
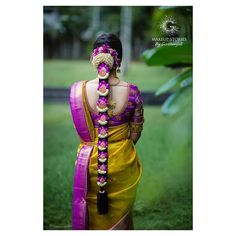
[(132, 112)]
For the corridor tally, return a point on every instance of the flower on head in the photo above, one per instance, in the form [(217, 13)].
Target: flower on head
[(105, 48)]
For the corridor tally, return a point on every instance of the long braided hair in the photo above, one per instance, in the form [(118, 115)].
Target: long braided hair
[(104, 58)]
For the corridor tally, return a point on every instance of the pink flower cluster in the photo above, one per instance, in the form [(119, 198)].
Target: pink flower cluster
[(102, 145), (105, 48), (102, 168), (102, 104), (101, 180)]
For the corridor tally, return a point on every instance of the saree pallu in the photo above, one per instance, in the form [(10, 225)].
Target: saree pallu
[(124, 173)]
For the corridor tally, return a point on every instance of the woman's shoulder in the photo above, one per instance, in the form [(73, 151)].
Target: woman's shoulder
[(123, 83), (92, 81), (77, 82), (75, 85), (133, 86), (81, 82)]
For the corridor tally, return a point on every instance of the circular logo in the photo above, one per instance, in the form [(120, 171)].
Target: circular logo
[(169, 26)]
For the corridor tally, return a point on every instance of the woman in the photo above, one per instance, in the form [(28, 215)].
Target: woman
[(108, 116)]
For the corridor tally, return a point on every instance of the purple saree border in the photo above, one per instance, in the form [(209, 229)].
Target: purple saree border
[(78, 113), (80, 216)]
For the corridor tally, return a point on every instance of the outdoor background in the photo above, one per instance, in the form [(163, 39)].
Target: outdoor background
[(157, 47)]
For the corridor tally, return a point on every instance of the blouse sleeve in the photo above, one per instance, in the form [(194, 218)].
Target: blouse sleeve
[(137, 120)]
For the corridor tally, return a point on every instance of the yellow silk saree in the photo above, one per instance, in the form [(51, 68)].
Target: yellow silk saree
[(124, 172)]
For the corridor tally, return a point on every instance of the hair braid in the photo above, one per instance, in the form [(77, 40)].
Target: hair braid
[(104, 59)]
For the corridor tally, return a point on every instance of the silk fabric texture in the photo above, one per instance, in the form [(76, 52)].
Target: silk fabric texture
[(124, 169)]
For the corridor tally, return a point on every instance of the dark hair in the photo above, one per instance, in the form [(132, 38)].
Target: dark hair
[(112, 40)]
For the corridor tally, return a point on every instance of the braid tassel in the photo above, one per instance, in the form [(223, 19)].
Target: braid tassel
[(103, 106)]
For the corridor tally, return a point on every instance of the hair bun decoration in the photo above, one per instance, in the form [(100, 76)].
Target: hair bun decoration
[(105, 54), (104, 59), (103, 62)]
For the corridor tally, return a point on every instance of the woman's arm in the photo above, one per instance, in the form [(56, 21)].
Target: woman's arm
[(135, 132), (137, 120)]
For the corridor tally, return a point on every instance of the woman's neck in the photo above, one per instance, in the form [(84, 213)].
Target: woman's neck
[(113, 79), (113, 73)]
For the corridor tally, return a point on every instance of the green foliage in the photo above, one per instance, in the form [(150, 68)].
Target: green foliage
[(178, 100), (181, 84), (169, 55), (176, 81)]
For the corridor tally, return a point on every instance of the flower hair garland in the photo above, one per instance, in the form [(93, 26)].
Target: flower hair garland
[(104, 59)]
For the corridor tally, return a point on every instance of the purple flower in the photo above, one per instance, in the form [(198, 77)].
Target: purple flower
[(103, 66), (103, 143), (101, 179), (103, 167), (105, 48), (102, 102), (103, 130), (103, 117), (102, 154), (103, 83)]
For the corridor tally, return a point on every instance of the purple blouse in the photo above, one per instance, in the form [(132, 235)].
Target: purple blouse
[(132, 112)]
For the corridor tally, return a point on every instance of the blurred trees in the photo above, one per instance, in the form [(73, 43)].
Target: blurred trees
[(62, 31), (125, 36), (69, 31)]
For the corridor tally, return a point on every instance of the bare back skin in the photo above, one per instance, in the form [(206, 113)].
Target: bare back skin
[(119, 92), (120, 95)]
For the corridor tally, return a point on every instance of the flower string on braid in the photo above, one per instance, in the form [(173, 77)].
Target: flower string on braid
[(104, 59)]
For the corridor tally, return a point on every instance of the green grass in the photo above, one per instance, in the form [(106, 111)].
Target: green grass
[(62, 73), (164, 196)]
